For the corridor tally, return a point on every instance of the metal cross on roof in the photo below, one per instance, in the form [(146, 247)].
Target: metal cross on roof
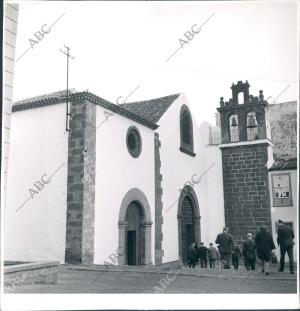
[(68, 114)]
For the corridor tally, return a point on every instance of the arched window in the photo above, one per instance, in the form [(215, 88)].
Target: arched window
[(186, 131), (252, 129), (234, 128)]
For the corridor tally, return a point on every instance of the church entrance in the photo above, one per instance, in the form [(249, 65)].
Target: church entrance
[(188, 232), (188, 222), (133, 236), (134, 229)]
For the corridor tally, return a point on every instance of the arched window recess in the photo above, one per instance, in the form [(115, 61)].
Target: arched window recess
[(186, 132)]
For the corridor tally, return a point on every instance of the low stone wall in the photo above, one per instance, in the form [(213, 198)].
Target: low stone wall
[(30, 273)]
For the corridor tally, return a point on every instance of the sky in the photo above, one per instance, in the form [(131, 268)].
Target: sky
[(123, 47)]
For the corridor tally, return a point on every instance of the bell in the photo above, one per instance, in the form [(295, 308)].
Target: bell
[(251, 122), (233, 122)]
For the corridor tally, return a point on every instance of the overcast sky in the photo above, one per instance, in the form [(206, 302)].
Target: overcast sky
[(118, 46)]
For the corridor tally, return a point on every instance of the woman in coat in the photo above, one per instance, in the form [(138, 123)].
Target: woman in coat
[(264, 246)]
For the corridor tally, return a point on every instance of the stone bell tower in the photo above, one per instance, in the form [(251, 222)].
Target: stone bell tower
[(245, 151)]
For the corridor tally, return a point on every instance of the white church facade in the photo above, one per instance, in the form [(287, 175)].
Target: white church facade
[(139, 180), (125, 178)]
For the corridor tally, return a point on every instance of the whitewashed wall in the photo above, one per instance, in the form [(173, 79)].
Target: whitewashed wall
[(285, 213), (116, 173), (212, 189), (178, 168), (38, 146)]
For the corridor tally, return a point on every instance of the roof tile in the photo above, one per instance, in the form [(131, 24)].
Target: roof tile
[(152, 109), (145, 112), (281, 165)]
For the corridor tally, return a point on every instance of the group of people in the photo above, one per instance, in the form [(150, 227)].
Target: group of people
[(202, 255), (262, 246)]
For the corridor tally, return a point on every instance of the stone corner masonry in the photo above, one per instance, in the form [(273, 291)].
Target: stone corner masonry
[(81, 183), (158, 202)]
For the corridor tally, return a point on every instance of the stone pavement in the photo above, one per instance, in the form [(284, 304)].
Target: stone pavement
[(97, 279)]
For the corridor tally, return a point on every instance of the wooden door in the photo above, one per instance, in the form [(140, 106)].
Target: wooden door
[(131, 247), (188, 230)]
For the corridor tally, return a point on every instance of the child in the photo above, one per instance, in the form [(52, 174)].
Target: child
[(236, 254)]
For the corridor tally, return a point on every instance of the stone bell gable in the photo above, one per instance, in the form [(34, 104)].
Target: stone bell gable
[(244, 158)]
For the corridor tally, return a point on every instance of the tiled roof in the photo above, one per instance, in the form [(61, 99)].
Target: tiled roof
[(281, 165), (49, 96), (144, 112), (152, 109)]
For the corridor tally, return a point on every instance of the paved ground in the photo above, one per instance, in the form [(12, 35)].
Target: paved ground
[(97, 279)]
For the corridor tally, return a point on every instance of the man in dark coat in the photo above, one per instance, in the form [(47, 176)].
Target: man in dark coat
[(192, 255), (202, 255), (264, 246), (285, 241), (249, 252), (225, 242)]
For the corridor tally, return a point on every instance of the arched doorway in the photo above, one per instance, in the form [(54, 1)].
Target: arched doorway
[(135, 229), (188, 221), (134, 244)]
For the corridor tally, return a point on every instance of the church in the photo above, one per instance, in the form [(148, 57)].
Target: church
[(89, 178)]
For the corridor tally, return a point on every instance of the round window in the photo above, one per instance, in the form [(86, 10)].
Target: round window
[(134, 141)]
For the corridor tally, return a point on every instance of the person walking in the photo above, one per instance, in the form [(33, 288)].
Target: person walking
[(236, 255), (249, 252), (213, 256), (202, 255), (285, 236), (197, 253), (264, 246), (192, 255), (225, 242)]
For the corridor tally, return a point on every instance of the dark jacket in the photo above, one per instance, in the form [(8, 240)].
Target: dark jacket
[(202, 252), (236, 252), (264, 245), (249, 249), (225, 242), (192, 253), (285, 236)]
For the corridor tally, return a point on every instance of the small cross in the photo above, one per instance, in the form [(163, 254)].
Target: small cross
[(67, 53)]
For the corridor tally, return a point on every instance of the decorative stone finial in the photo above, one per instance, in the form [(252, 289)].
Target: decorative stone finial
[(221, 102), (261, 96)]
